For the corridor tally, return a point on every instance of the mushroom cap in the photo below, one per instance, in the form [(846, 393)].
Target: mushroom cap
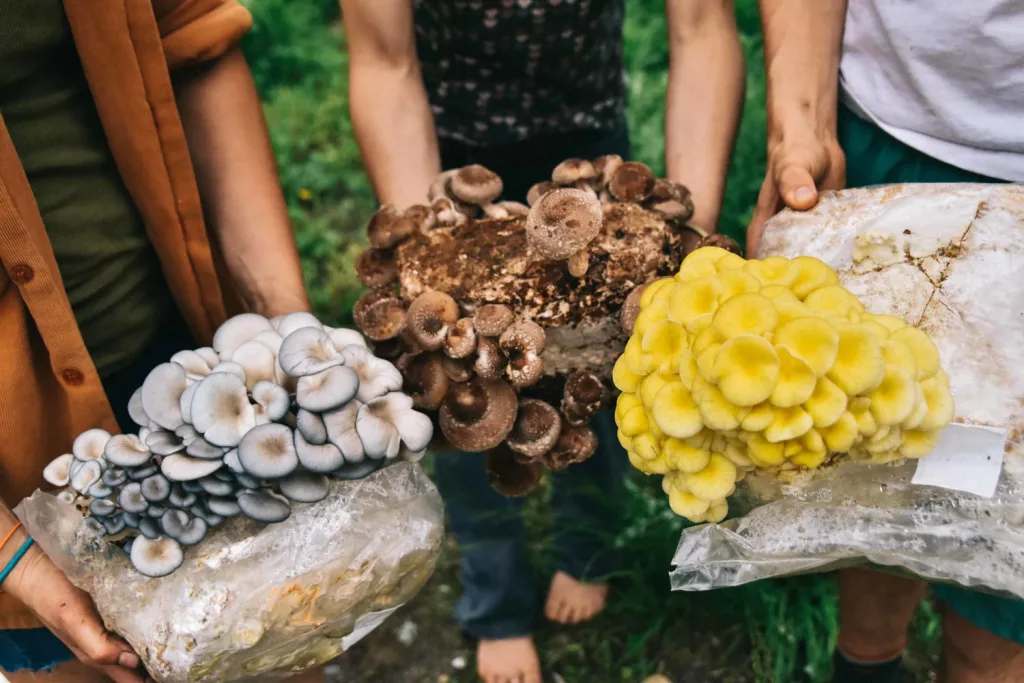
[(575, 444), (572, 170), (114, 476), (327, 390), (229, 367), (478, 415), (388, 226), (493, 319), (180, 467), (156, 557), (583, 396), (156, 488), (258, 361), (131, 499), (447, 212), (58, 472), (342, 337), (508, 476), (235, 332), (512, 208), (458, 369), (475, 184), (149, 527), (295, 321), (203, 449), (377, 377), (429, 317), (268, 452), (460, 342), (341, 431), (563, 222), (522, 343), (384, 423), (208, 354), (357, 470), (195, 365), (536, 428), (720, 241), (421, 215), (67, 497), (102, 508), (180, 498), (377, 267), (439, 186), (607, 165), (221, 410), (182, 527), (305, 487), (271, 339), (631, 182), (311, 427), (212, 519), (539, 190), (140, 473), (85, 474), (425, 380), (224, 506), (307, 351), (185, 403), (114, 524), (379, 314), (263, 507), (272, 401), (631, 309), (318, 458), (99, 490), (136, 411), (160, 442), (217, 487), (231, 460), (490, 362), (90, 444)]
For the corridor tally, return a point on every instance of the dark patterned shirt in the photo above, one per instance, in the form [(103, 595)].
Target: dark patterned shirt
[(499, 71)]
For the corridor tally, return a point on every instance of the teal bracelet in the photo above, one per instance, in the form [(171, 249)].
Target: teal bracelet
[(14, 560)]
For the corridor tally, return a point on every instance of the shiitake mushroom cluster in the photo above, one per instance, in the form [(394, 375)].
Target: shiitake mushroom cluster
[(738, 364), (259, 421), (481, 367)]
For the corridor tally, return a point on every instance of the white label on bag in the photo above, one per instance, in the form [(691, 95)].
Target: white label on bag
[(968, 458)]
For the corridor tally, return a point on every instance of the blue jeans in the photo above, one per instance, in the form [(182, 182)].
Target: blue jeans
[(33, 649)]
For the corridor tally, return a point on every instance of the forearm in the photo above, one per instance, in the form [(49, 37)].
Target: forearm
[(8, 522), (802, 47), (239, 186), (703, 106), (395, 131)]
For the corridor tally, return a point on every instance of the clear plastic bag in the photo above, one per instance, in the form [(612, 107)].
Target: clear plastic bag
[(254, 602), (950, 260)]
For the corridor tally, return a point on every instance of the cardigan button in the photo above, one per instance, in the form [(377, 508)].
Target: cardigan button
[(22, 274), (73, 376)]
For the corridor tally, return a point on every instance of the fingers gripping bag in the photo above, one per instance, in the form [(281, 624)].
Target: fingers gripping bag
[(853, 394), (268, 514)]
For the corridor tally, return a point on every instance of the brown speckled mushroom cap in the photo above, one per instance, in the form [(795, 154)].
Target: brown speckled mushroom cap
[(429, 317), (573, 170), (460, 342), (478, 415), (671, 200), (575, 444), (447, 213), (388, 226), (475, 184), (439, 187), (631, 308), (563, 222), (380, 314), (425, 380), (376, 267), (492, 319), (539, 190), (458, 369), (631, 182), (421, 215), (490, 362), (722, 241), (522, 343), (508, 476), (536, 429), (584, 394), (607, 165)]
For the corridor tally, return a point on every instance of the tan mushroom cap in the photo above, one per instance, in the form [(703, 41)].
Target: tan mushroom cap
[(422, 215), (380, 314), (458, 369), (460, 342), (563, 222), (721, 241), (478, 415), (475, 184), (539, 190), (607, 165), (671, 200), (513, 208), (574, 445), (388, 226), (490, 362), (573, 170), (447, 213), (631, 309), (584, 395), (522, 343), (376, 267), (508, 476), (536, 428), (425, 380), (631, 182), (492, 319), (439, 186), (429, 317)]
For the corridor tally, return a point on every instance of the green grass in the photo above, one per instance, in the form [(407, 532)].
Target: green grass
[(779, 631)]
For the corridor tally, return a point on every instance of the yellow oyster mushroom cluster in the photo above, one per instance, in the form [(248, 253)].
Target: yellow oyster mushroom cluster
[(738, 364)]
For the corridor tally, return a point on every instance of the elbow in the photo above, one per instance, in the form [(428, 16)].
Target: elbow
[(702, 21)]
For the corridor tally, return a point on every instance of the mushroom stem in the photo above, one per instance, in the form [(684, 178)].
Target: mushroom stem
[(579, 263)]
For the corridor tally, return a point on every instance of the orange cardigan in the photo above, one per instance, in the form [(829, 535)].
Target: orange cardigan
[(49, 389)]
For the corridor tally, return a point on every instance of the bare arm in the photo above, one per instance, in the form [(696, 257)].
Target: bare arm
[(390, 112), (704, 100), (802, 47), (239, 185)]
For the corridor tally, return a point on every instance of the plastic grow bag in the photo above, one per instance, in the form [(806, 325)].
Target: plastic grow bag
[(950, 260), (254, 602)]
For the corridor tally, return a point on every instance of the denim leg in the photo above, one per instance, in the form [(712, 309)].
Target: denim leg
[(498, 598), (587, 506)]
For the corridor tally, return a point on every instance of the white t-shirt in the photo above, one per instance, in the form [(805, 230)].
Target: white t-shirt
[(945, 77)]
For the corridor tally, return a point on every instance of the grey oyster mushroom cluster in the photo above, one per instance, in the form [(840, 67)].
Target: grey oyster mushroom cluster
[(260, 421), (478, 366)]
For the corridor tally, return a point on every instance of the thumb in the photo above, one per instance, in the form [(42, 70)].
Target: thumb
[(97, 644), (797, 187)]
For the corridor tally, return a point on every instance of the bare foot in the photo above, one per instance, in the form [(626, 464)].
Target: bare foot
[(572, 602), (510, 660)]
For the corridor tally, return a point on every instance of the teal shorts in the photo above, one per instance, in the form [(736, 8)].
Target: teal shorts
[(873, 157), (33, 649)]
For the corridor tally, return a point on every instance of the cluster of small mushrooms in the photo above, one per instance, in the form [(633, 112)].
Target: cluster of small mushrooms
[(771, 364), (261, 420), (481, 367)]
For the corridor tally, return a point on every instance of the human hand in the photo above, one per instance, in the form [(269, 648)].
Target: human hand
[(801, 162), (69, 613)]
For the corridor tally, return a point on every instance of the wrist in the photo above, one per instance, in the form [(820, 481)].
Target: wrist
[(798, 120), (16, 561)]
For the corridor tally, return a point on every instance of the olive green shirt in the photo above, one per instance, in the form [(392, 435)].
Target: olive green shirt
[(110, 270)]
